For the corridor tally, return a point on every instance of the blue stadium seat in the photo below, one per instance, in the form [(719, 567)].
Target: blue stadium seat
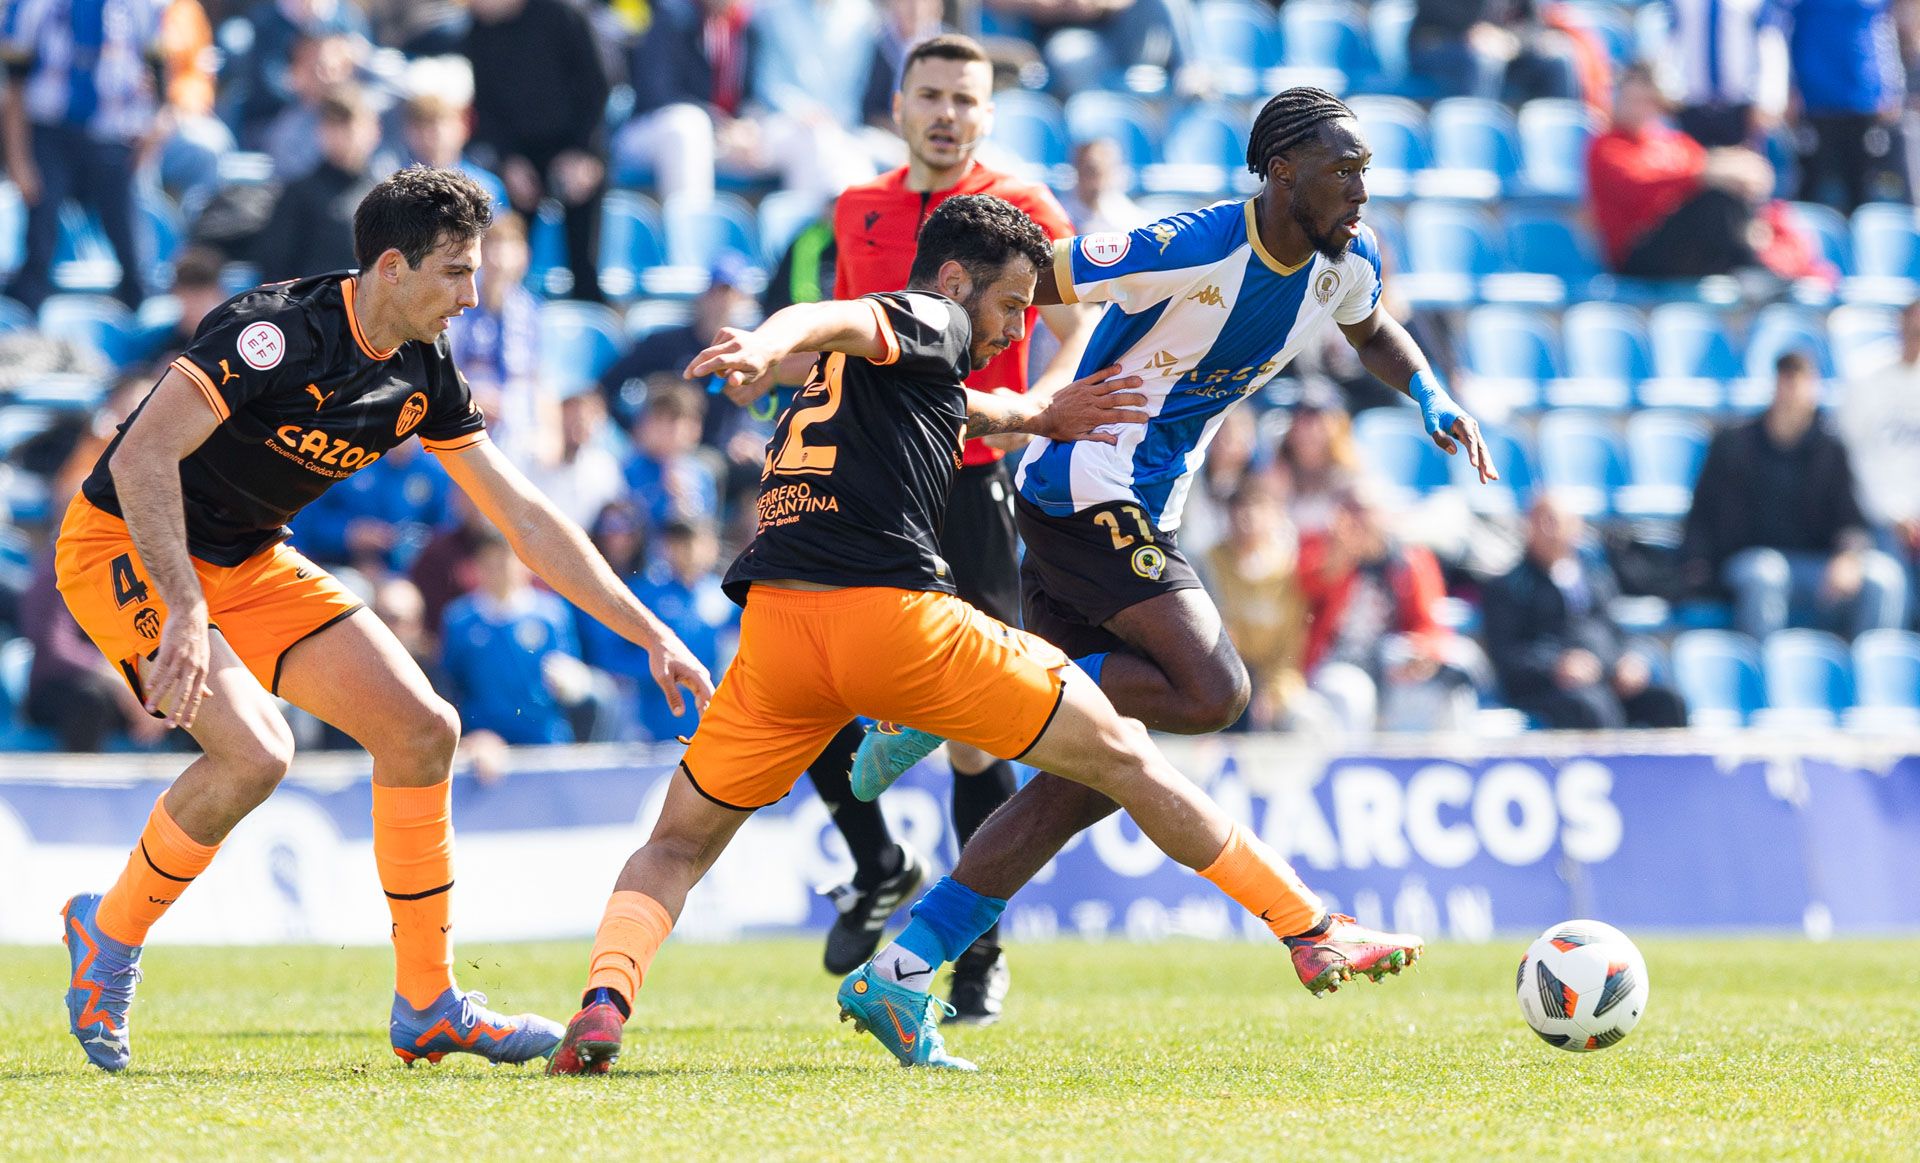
[(158, 233), (1128, 120), (1239, 41), (1031, 128), (1396, 131), (1394, 446), (1886, 676), (1513, 353), (1388, 22), (1862, 338), (1693, 357), (14, 316), (1809, 678), (1476, 149), (1582, 459), (1551, 245), (1718, 673), (1326, 43), (632, 241), (13, 228), (1606, 341), (1450, 248), (578, 341), (1886, 254), (20, 423), (783, 215), (1519, 478), (1778, 329), (95, 321), (1828, 229), (1204, 151), (698, 231), (1664, 452), (650, 315), (1554, 135), (547, 272)]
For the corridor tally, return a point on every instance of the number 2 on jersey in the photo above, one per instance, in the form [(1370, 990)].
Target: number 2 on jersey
[(1112, 525), (795, 455)]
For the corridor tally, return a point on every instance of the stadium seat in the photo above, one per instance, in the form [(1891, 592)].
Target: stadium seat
[(1886, 254), (1608, 355), (1828, 230), (1886, 676), (783, 215), (1396, 131), (1513, 352), (1862, 338), (13, 228), (1693, 358), (1394, 446), (1387, 24), (1204, 151), (1809, 679), (1032, 129), (578, 341), (631, 241), (1549, 248), (1450, 248), (650, 315), (1476, 150), (1554, 135), (94, 321), (1240, 41), (1718, 673), (20, 423), (697, 231), (1777, 330), (158, 232), (547, 272), (1128, 120), (1664, 452), (1582, 459), (1325, 43), (14, 316)]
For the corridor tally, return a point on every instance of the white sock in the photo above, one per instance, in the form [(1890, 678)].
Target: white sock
[(904, 967)]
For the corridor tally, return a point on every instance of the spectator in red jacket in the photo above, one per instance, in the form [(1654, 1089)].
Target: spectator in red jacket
[(1375, 649), (1665, 207)]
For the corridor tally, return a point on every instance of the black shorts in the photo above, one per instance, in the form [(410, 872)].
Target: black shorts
[(980, 543), (1082, 570)]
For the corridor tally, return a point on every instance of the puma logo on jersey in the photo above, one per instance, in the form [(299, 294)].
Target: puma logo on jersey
[(1208, 296), (319, 399), (227, 373)]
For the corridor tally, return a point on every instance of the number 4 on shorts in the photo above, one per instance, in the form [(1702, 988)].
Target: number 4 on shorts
[(127, 586)]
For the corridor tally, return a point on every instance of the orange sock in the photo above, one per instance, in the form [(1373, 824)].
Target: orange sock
[(1265, 885), (158, 870), (413, 848), (631, 932)]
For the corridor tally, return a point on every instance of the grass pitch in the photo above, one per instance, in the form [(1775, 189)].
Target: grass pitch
[(1756, 1049)]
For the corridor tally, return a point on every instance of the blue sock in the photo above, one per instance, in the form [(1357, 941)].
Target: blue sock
[(947, 920), (1093, 664), (603, 994)]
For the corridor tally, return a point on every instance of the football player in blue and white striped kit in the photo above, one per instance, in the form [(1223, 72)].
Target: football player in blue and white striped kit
[(1205, 307)]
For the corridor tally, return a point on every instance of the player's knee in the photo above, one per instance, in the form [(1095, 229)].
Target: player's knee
[(439, 730), (422, 736), (1213, 700), (1128, 755), (259, 761)]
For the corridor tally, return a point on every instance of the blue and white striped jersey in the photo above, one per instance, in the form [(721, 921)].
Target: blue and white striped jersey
[(85, 63), (1205, 316)]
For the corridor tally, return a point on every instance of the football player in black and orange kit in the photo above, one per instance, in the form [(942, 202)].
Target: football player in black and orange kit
[(850, 610), (175, 562)]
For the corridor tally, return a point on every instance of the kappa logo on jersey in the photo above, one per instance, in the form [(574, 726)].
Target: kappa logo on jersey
[(1149, 561), (411, 413), (1103, 250), (1325, 286), (1163, 233), (227, 373), (262, 346), (146, 621), (1208, 296)]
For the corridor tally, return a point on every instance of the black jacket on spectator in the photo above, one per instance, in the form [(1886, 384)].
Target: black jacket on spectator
[(538, 86), (311, 231), (670, 66), (1752, 493)]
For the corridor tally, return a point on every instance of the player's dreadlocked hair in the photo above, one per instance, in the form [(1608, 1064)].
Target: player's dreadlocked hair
[(980, 232), (1291, 117)]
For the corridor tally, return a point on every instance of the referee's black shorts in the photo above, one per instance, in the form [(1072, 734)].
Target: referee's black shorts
[(979, 540)]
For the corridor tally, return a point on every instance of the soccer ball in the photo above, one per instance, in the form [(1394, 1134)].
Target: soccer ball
[(1582, 986)]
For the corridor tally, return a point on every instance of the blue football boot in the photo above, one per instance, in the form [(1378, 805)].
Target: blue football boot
[(101, 988), (459, 1023), (886, 752), (906, 1021)]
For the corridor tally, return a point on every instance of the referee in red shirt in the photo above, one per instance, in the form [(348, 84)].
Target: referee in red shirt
[(944, 109)]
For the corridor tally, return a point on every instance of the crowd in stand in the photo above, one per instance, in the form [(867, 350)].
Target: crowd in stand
[(1356, 606)]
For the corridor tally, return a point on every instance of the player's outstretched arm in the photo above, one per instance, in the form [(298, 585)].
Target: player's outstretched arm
[(1386, 350), (173, 422), (559, 552), (1082, 410), (743, 359)]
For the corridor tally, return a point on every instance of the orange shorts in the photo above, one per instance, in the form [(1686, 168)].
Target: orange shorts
[(261, 607), (811, 660)]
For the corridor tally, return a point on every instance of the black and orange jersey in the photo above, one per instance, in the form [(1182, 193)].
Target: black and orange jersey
[(304, 401), (860, 464)]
